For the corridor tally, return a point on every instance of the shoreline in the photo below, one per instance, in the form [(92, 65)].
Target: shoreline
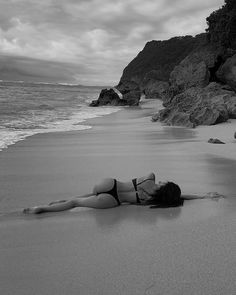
[(223, 131), (86, 123), (11, 138)]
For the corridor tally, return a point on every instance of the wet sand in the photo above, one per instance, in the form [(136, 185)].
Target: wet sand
[(125, 250)]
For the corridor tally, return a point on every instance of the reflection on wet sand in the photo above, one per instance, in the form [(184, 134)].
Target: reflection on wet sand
[(141, 216), (221, 173)]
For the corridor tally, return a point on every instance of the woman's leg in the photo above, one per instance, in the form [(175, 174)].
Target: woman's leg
[(62, 201), (101, 201), (62, 206)]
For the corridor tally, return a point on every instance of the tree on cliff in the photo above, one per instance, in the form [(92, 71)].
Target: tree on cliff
[(222, 25)]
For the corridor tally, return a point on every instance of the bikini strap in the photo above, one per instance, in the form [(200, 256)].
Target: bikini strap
[(143, 181), (115, 192), (134, 181)]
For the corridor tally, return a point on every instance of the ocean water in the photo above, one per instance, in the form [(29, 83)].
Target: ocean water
[(30, 108)]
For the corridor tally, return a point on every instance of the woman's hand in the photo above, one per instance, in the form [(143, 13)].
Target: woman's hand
[(210, 195), (213, 195), (143, 195)]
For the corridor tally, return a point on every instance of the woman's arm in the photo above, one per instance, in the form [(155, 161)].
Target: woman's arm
[(210, 195), (191, 197)]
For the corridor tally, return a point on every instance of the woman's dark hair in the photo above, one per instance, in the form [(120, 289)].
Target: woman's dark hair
[(169, 195)]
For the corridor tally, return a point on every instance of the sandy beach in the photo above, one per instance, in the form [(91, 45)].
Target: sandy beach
[(125, 250)]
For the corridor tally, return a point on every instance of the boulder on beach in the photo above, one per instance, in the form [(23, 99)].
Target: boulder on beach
[(111, 97), (187, 75), (227, 72), (170, 117), (195, 69), (106, 97), (132, 98), (199, 106), (152, 87), (215, 140), (126, 86)]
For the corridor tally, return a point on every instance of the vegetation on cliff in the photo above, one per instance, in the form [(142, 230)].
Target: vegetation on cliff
[(222, 25), (161, 56)]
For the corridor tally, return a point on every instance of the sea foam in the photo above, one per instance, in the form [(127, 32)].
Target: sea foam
[(29, 109)]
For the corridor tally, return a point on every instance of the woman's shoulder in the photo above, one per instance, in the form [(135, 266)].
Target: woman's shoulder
[(152, 176)]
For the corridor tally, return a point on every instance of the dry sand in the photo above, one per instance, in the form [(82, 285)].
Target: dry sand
[(125, 250)]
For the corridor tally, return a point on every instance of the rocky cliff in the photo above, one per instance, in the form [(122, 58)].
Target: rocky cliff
[(201, 89), (161, 57), (153, 65), (194, 76)]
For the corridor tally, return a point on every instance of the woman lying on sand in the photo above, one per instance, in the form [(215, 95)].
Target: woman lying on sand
[(111, 193)]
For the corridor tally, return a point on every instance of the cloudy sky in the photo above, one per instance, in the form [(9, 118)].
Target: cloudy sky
[(88, 41)]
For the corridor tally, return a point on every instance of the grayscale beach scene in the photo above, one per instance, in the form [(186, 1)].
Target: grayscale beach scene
[(117, 147)]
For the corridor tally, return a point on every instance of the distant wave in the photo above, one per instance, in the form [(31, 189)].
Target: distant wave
[(27, 109), (9, 136), (45, 107), (54, 83)]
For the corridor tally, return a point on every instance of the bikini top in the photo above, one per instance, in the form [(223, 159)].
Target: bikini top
[(134, 181)]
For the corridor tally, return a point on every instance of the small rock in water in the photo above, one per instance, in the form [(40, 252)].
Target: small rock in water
[(235, 135), (155, 117), (215, 140)]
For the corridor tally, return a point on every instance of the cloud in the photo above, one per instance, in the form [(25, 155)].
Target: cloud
[(99, 36), (35, 70)]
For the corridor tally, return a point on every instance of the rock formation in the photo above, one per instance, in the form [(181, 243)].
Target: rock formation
[(199, 106), (110, 97), (202, 86), (194, 76), (227, 72), (215, 140), (195, 69), (132, 98), (107, 96), (126, 86), (152, 87), (161, 57)]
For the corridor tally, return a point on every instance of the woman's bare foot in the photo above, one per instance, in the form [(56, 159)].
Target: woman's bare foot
[(33, 210)]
